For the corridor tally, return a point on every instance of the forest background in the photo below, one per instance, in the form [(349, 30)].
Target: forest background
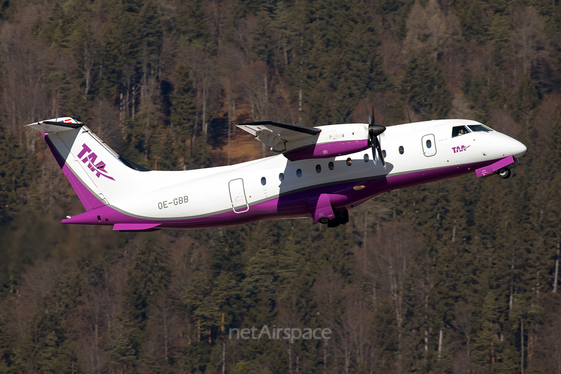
[(459, 276)]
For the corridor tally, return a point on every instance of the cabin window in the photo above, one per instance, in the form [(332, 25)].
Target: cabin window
[(318, 168), (366, 157), (384, 153), (263, 181), (459, 130), (331, 165), (429, 143), (281, 177), (349, 161), (479, 128), (401, 150), (299, 173)]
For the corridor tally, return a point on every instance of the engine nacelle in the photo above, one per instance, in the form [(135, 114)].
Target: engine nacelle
[(332, 141)]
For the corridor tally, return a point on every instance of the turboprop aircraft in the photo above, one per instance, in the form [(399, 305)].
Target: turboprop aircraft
[(319, 172)]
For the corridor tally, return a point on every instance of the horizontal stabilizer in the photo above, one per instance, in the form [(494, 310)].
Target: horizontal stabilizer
[(56, 125)]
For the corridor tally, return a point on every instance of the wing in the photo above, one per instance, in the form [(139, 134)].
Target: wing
[(276, 135)]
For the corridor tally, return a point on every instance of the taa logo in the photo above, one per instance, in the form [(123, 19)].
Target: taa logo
[(460, 148), (90, 158)]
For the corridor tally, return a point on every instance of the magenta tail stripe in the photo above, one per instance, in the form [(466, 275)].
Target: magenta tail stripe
[(87, 198)]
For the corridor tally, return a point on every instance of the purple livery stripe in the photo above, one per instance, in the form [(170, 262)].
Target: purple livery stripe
[(324, 150), (289, 205)]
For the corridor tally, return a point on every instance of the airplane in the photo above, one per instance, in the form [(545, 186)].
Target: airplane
[(318, 172)]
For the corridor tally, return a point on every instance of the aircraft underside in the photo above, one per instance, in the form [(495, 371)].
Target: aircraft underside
[(323, 203)]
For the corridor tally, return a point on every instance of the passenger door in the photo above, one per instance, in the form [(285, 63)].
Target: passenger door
[(237, 196), (429, 145)]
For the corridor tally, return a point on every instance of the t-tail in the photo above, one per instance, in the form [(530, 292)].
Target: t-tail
[(96, 172)]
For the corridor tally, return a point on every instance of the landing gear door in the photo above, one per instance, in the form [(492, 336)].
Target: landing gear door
[(237, 196), (429, 145)]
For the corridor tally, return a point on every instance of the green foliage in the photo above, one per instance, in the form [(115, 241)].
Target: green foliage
[(184, 109), (469, 12), (16, 172), (55, 31), (191, 23), (341, 62), (394, 14), (7, 10), (164, 151), (525, 101), (424, 88), (122, 351), (148, 278), (6, 348), (49, 343)]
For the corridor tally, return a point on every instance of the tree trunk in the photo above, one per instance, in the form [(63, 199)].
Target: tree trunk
[(346, 360), (522, 346), (223, 356), (229, 118), (440, 334), (426, 325), (365, 240), (223, 346), (300, 77), (290, 357), (205, 88), (324, 358), (556, 275)]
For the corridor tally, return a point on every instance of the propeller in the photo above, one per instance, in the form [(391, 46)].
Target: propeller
[(374, 131)]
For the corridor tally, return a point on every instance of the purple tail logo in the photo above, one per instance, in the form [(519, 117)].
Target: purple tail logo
[(90, 158), (460, 148)]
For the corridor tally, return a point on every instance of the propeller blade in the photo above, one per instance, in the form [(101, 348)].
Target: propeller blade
[(370, 121), (380, 153), (374, 131)]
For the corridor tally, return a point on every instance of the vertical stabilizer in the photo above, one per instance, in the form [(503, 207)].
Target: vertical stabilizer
[(93, 169)]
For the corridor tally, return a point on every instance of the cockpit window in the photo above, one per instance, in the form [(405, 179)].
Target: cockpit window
[(459, 130), (479, 128)]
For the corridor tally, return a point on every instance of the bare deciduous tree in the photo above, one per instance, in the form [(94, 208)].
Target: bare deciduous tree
[(549, 345), (527, 41), (431, 30), (464, 325)]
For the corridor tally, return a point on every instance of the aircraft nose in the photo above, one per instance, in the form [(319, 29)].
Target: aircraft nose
[(517, 148)]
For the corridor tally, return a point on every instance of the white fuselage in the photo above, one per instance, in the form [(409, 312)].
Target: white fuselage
[(208, 191)]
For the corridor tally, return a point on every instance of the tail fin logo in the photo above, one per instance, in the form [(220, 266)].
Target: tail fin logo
[(90, 158)]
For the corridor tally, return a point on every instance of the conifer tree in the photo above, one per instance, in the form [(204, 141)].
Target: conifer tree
[(16, 170), (192, 25), (183, 109), (6, 348), (148, 278), (424, 87)]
